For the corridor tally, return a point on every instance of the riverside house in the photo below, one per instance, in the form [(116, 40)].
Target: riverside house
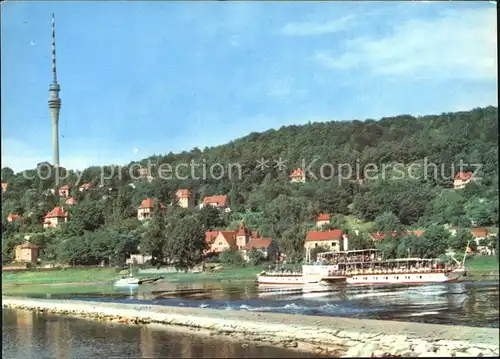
[(330, 240), (27, 253), (243, 240)]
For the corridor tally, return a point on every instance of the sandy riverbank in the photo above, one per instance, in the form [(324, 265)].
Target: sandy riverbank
[(323, 335)]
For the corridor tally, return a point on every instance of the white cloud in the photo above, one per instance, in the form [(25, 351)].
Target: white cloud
[(457, 44), (316, 28)]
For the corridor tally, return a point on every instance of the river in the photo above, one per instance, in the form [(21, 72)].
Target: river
[(30, 335), (470, 303)]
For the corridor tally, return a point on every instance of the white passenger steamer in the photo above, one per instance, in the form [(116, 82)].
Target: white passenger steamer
[(366, 267)]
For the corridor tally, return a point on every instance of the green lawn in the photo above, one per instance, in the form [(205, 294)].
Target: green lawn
[(355, 223), (67, 275), (482, 263)]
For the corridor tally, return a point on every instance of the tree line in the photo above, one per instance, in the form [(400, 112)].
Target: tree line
[(103, 225)]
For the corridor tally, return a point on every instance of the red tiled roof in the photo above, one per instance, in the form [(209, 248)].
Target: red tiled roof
[(297, 173), (220, 200), (57, 213), (258, 243), (335, 234), (4, 186), (479, 232), (150, 203), (210, 236), (183, 193), (464, 176), (64, 188), (70, 200), (85, 186), (242, 231), (323, 217), (230, 237), (14, 217)]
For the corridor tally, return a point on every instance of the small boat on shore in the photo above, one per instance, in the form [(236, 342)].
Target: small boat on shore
[(132, 281)]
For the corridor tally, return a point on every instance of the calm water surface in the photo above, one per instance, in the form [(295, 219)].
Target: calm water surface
[(29, 335), (464, 303)]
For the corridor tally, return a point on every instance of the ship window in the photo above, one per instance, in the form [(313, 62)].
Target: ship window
[(365, 278), (420, 277), (386, 277)]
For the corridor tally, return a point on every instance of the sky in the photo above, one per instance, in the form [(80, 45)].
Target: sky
[(144, 78)]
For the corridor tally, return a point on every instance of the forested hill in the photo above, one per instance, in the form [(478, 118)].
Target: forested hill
[(274, 206)]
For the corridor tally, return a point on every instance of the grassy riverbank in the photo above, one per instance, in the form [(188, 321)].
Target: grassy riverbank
[(479, 267)]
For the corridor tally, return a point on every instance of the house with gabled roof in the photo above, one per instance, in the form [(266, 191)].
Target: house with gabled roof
[(322, 219), (64, 191), (217, 201), (331, 240), (146, 209), (84, 187), (266, 246), (4, 186), (220, 241), (184, 198), (13, 217), (55, 217), (27, 253), (70, 201), (462, 179), (298, 176)]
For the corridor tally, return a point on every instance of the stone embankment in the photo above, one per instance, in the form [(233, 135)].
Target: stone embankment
[(324, 336)]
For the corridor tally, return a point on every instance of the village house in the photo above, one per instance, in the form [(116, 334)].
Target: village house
[(218, 201), (27, 253), (12, 217), (322, 219), (4, 186), (55, 217), (146, 209), (242, 240), (462, 179), (298, 176), (70, 201), (330, 240), (479, 234), (84, 187), (184, 198), (220, 241), (266, 246), (64, 191)]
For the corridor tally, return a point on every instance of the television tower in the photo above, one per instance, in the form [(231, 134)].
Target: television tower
[(54, 101)]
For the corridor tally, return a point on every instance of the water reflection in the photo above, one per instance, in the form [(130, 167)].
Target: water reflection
[(32, 335)]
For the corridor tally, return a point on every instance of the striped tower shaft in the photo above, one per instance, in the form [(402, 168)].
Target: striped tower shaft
[(54, 101)]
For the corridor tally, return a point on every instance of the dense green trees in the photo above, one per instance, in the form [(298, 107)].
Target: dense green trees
[(412, 162)]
